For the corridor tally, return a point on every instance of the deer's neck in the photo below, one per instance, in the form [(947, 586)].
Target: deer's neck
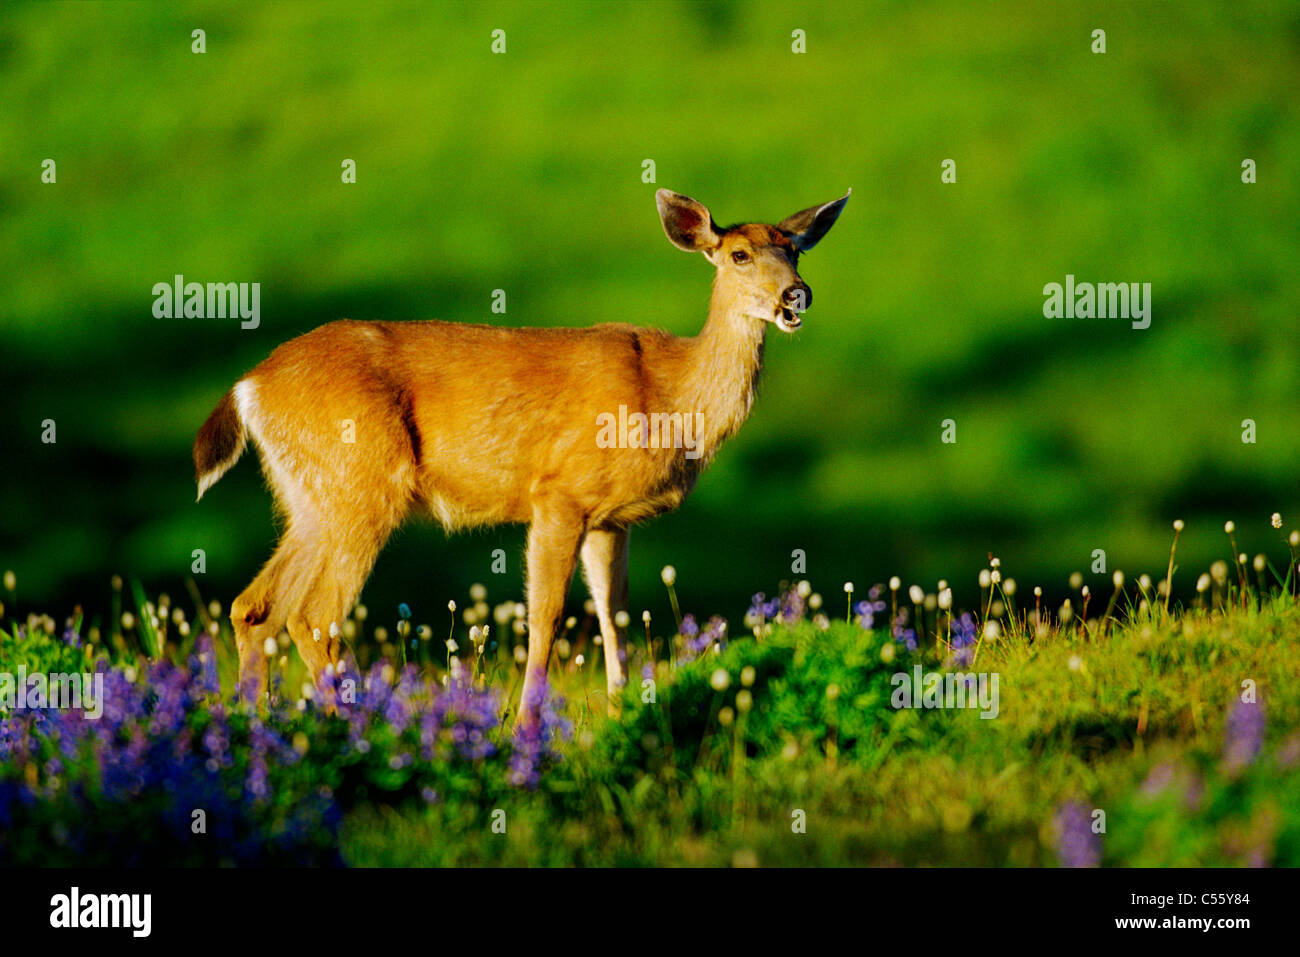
[(721, 374)]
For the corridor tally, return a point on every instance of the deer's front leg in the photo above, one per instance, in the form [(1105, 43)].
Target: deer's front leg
[(553, 541), (604, 559)]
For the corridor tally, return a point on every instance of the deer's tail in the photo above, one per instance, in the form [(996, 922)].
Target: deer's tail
[(220, 442)]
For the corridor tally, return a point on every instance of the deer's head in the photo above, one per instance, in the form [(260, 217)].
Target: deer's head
[(757, 264)]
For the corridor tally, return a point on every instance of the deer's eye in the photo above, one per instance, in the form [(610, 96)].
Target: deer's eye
[(740, 256)]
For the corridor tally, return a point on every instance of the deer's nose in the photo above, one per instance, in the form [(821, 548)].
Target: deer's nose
[(798, 297)]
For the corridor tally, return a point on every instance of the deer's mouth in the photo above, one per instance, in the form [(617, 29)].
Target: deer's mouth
[(787, 319)]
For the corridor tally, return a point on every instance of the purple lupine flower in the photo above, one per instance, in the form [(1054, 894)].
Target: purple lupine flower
[(792, 607), (171, 702), (761, 610), (428, 735), (902, 634), (171, 737), (964, 638), (533, 743), (1243, 735), (866, 611), (468, 715), (203, 666), (256, 783), (865, 616), (696, 645), (1076, 844), (12, 739), (397, 712), (155, 742), (217, 744)]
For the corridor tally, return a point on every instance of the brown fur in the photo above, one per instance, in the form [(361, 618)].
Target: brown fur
[(220, 439), (483, 425)]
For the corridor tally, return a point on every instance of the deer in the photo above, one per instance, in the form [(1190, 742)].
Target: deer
[(360, 423)]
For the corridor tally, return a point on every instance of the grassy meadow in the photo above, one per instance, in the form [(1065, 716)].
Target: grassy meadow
[(1120, 732)]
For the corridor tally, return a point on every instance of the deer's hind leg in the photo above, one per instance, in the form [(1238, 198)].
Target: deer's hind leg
[(309, 585), (342, 556), (324, 599), (261, 611), (342, 467)]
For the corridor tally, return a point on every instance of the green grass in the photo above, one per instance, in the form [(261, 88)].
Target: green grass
[(1086, 721), (1124, 715)]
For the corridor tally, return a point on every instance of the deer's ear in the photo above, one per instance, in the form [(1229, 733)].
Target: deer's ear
[(806, 228), (688, 224)]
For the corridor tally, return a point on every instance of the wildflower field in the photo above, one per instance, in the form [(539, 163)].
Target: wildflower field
[(1126, 730)]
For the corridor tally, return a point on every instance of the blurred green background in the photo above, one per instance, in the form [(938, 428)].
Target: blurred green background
[(523, 171)]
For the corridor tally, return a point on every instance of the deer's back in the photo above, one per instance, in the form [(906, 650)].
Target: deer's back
[(483, 418)]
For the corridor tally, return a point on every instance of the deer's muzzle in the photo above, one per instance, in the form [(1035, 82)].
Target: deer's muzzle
[(794, 300)]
